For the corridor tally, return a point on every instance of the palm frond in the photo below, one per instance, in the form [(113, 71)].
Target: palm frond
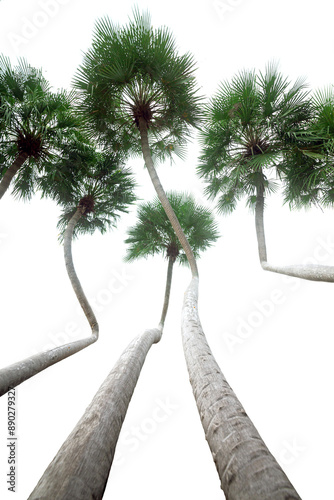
[(153, 233)]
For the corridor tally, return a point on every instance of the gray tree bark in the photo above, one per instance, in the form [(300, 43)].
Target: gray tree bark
[(163, 198), (311, 272), (246, 468), (171, 261), (81, 467), (15, 374), (259, 225), (11, 172)]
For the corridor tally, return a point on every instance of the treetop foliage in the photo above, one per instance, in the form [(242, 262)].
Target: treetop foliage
[(153, 233), (135, 72)]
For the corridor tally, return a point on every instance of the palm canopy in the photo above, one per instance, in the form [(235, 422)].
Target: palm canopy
[(153, 233), (15, 82), (34, 121), (310, 182), (102, 188), (250, 124), (61, 170), (309, 175), (135, 72)]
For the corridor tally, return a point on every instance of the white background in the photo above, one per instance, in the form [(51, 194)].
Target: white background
[(279, 361)]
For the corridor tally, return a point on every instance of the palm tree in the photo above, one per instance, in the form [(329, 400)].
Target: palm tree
[(103, 191), (255, 127), (34, 122), (153, 234), (133, 79)]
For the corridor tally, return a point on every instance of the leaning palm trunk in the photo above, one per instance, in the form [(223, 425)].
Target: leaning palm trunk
[(11, 172), (312, 272), (81, 467), (163, 198), (171, 261), (72, 274), (246, 468), (15, 374)]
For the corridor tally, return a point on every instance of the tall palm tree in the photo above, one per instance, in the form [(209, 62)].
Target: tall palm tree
[(103, 191), (255, 128), (133, 79), (34, 122), (77, 471), (308, 175)]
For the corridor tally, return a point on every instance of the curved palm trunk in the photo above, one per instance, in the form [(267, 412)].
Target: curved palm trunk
[(171, 261), (163, 198), (81, 467), (11, 172), (246, 468), (311, 272), (72, 274), (15, 374)]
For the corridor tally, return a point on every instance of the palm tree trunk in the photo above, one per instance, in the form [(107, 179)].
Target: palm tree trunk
[(246, 468), (81, 467), (259, 209), (171, 261), (15, 374), (11, 172), (72, 274), (163, 198), (310, 272)]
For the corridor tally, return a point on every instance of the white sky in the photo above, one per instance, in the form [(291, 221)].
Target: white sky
[(281, 369)]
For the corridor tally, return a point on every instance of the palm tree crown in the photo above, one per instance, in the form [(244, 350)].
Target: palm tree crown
[(132, 73), (101, 187), (309, 173), (153, 233), (251, 122), (34, 122)]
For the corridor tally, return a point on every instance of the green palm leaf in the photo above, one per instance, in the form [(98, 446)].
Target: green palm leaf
[(251, 123), (135, 71), (153, 233)]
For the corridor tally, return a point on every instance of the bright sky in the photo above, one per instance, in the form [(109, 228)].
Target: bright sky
[(272, 336)]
